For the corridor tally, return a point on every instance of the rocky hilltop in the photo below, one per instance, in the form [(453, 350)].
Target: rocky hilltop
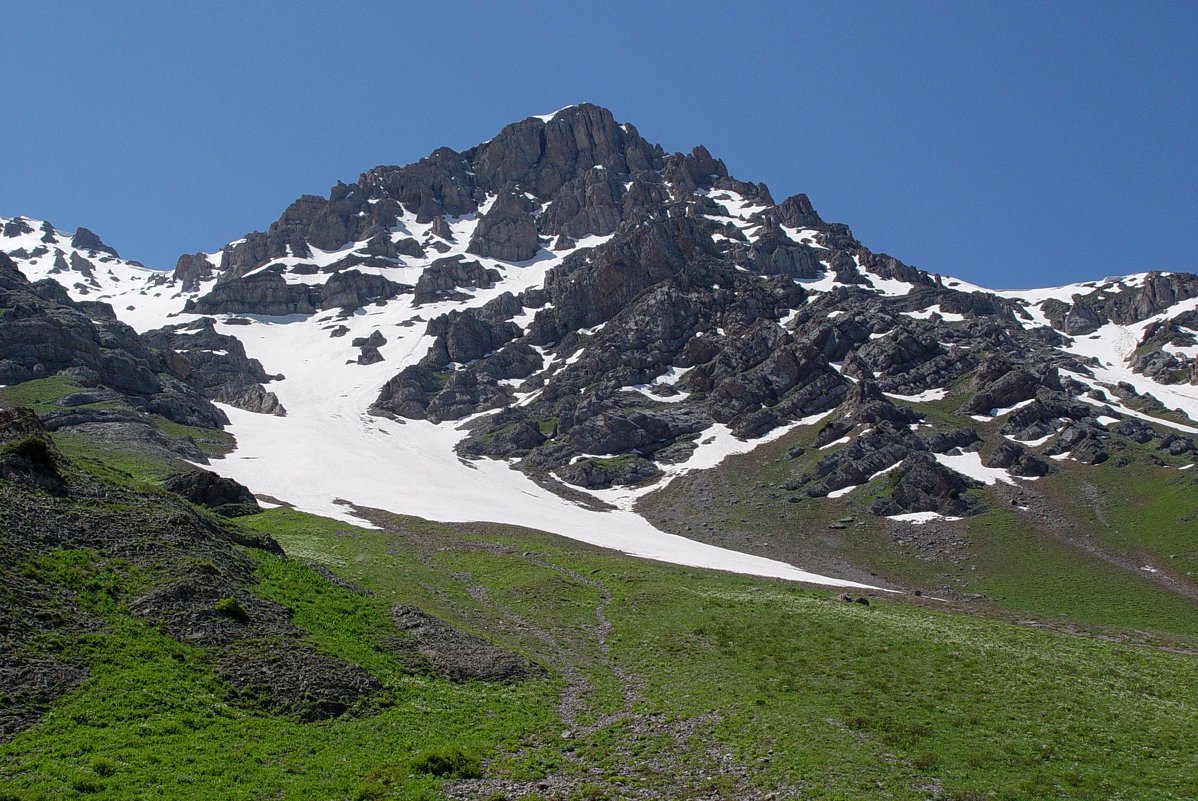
[(602, 314)]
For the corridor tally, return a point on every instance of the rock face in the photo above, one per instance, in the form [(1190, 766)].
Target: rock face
[(190, 269), (44, 333), (86, 240), (506, 231), (443, 276), (216, 365)]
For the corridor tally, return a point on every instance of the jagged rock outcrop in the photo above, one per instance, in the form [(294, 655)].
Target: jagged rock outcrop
[(44, 333), (216, 365), (506, 231), (922, 484), (222, 495), (191, 269), (443, 276), (87, 240)]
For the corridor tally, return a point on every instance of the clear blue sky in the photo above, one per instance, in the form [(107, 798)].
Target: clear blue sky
[(1011, 143)]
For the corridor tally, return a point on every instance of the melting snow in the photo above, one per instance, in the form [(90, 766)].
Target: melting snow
[(970, 465)]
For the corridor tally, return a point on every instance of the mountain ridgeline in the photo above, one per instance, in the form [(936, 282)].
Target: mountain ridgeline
[(616, 307)]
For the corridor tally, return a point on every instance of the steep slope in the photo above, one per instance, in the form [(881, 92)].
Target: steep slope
[(548, 327)]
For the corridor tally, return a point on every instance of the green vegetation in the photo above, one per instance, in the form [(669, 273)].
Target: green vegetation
[(212, 441), (115, 463), (39, 394), (660, 679)]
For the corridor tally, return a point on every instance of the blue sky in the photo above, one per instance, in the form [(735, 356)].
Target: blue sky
[(1012, 144)]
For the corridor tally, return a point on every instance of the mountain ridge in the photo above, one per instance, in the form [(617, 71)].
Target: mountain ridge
[(605, 317)]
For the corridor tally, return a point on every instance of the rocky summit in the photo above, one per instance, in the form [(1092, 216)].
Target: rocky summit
[(603, 316)]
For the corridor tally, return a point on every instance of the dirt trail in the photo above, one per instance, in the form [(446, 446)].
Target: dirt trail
[(634, 765)]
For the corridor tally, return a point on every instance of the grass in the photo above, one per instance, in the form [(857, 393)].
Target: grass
[(212, 441), (824, 699), (39, 394), (114, 463), (848, 701)]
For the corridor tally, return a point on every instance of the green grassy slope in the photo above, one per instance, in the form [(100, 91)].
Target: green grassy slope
[(663, 682)]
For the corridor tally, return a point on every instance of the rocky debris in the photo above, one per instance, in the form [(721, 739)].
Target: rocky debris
[(31, 684), (216, 364), (443, 276), (507, 230), (455, 654), (27, 455), (208, 608), (295, 679), (222, 495), (921, 484)]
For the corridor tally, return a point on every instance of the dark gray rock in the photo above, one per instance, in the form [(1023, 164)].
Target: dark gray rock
[(922, 484), (87, 240), (443, 276), (222, 495), (507, 230), (455, 654), (191, 269)]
